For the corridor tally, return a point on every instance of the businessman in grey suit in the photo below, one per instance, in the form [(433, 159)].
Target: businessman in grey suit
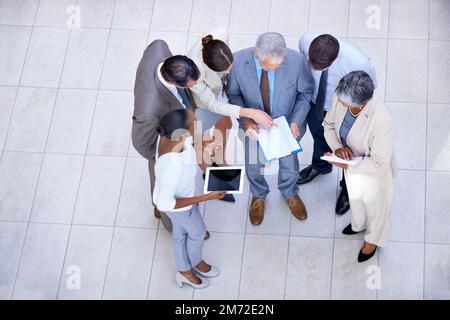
[(278, 81), (161, 85)]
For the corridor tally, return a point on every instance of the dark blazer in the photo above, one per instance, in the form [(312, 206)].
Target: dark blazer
[(293, 88), (152, 100)]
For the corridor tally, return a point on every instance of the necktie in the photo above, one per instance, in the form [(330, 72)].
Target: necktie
[(265, 91), (188, 101), (321, 94), (224, 80)]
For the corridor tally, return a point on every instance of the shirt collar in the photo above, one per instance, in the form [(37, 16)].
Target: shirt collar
[(169, 86), (257, 64)]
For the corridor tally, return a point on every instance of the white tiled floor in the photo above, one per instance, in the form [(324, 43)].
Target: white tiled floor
[(75, 194)]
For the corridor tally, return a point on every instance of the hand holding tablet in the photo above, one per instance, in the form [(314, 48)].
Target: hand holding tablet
[(228, 179)]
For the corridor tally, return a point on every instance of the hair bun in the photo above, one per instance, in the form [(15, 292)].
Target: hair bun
[(207, 39)]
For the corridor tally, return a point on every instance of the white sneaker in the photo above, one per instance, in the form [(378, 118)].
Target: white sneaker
[(214, 272), (182, 279)]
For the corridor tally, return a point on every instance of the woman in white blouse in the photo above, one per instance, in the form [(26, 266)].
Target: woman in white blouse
[(175, 170), (214, 59)]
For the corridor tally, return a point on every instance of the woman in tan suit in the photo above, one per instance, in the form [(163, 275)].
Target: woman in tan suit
[(214, 59), (360, 124)]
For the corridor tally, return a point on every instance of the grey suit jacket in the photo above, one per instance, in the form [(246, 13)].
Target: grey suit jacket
[(293, 86), (152, 100)]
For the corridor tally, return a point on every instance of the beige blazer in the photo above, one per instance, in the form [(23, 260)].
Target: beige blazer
[(371, 136), (209, 85)]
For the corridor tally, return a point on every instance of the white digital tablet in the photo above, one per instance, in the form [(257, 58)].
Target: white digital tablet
[(228, 179)]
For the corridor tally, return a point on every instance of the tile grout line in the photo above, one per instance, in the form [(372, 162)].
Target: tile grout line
[(18, 86), (67, 88), (385, 95), (243, 247), (42, 158), (115, 220), (336, 195), (426, 158), (387, 52), (229, 19), (233, 33), (269, 18), (309, 16), (187, 37), (216, 231), (159, 220), (153, 259), (348, 18), (150, 22), (85, 155), (185, 51), (287, 258)]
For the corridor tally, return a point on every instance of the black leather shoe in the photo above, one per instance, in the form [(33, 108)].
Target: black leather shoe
[(349, 231), (364, 257), (309, 173), (342, 203)]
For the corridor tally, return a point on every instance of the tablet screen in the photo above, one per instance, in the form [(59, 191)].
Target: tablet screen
[(224, 179)]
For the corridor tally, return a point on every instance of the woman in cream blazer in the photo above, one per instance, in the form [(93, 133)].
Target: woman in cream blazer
[(209, 93), (360, 124)]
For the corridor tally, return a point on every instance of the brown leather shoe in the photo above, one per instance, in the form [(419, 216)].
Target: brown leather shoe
[(297, 207), (256, 211), (157, 213), (207, 235)]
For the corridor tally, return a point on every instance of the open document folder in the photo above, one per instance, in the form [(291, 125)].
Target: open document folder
[(278, 142)]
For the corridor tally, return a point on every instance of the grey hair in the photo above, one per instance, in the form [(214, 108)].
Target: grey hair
[(356, 88), (270, 44)]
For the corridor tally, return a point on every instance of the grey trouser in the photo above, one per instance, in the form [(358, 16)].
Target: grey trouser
[(164, 218), (188, 235), (254, 165)]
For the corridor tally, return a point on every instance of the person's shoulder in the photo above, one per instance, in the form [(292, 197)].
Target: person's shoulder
[(351, 52), (294, 57), (294, 54), (158, 45), (169, 164), (242, 55)]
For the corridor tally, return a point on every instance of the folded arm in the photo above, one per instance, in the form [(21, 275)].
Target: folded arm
[(381, 149), (329, 126), (209, 101)]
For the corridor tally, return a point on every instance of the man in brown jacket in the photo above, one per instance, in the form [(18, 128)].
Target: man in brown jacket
[(162, 84)]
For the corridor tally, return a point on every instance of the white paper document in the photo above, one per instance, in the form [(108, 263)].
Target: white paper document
[(334, 158), (278, 142)]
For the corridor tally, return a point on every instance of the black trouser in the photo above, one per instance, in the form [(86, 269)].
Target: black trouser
[(314, 120)]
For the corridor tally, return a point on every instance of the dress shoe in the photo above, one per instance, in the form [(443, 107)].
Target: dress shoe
[(157, 213), (214, 272), (297, 207), (256, 211), (364, 257), (183, 280), (342, 203), (309, 173), (349, 231), (207, 235)]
